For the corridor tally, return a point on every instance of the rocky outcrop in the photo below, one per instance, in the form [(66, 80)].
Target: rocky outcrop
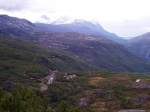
[(48, 80), (132, 110), (141, 84), (70, 76)]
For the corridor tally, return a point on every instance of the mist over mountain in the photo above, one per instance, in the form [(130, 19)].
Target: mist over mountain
[(80, 26), (25, 28)]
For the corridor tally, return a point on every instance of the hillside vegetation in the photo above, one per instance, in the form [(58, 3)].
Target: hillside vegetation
[(21, 58), (88, 92)]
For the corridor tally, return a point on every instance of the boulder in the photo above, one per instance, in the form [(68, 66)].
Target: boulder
[(132, 110)]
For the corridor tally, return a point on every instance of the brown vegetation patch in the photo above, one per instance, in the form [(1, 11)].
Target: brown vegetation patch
[(96, 80)]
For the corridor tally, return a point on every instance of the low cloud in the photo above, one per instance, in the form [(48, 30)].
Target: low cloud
[(14, 5)]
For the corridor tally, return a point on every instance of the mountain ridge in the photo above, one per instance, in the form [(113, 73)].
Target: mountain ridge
[(99, 52), (80, 26)]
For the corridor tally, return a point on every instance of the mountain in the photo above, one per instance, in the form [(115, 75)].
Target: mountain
[(80, 26), (15, 27), (100, 52), (140, 46), (20, 58), (66, 51)]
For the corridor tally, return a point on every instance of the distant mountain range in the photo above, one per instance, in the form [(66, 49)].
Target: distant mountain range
[(80, 26), (80, 46)]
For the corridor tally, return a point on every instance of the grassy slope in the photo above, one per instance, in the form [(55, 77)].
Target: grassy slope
[(20, 57), (101, 53)]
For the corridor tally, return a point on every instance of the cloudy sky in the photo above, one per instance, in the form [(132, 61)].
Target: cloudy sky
[(126, 18)]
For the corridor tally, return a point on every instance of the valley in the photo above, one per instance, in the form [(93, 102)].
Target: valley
[(74, 67)]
